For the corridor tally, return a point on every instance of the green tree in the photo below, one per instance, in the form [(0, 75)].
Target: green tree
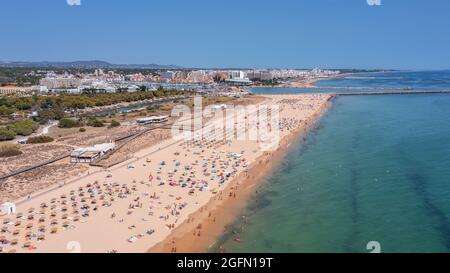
[(24, 127), (68, 123), (114, 123), (6, 134), (39, 140), (5, 110)]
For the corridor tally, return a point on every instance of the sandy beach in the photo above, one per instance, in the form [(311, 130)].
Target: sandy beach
[(215, 218), (175, 195)]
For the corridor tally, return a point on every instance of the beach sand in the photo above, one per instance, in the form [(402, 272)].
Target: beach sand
[(142, 203), (219, 214)]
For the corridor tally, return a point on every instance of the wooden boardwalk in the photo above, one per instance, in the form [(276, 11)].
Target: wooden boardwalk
[(27, 169)]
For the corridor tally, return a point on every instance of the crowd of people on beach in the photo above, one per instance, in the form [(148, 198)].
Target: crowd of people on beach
[(150, 197)]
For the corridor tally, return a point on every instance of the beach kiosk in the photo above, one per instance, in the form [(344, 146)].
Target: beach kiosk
[(8, 208)]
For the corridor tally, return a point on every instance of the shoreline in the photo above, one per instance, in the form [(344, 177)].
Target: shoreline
[(212, 220), (141, 214)]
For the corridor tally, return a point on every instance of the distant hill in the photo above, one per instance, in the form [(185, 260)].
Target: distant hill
[(85, 65)]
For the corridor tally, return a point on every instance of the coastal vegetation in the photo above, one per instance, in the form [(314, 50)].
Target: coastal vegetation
[(72, 123), (6, 134), (9, 150), (39, 140), (55, 107), (24, 127), (94, 122), (69, 123), (114, 123)]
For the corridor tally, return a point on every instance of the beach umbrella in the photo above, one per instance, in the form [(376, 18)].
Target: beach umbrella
[(76, 218), (19, 215), (54, 230), (43, 205), (18, 223), (64, 216), (14, 242), (2, 239), (16, 232), (53, 200), (53, 207), (41, 237), (30, 217), (54, 222), (63, 196), (31, 210), (53, 214), (42, 228), (29, 225), (6, 221), (64, 209), (42, 220), (4, 229), (66, 224), (27, 244)]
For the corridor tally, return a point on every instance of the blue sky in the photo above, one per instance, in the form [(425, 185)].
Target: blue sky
[(399, 34)]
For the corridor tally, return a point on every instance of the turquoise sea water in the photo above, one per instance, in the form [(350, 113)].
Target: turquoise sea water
[(373, 82), (376, 168)]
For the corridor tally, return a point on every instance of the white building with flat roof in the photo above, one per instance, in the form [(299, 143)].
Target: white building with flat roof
[(91, 154), (152, 120)]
